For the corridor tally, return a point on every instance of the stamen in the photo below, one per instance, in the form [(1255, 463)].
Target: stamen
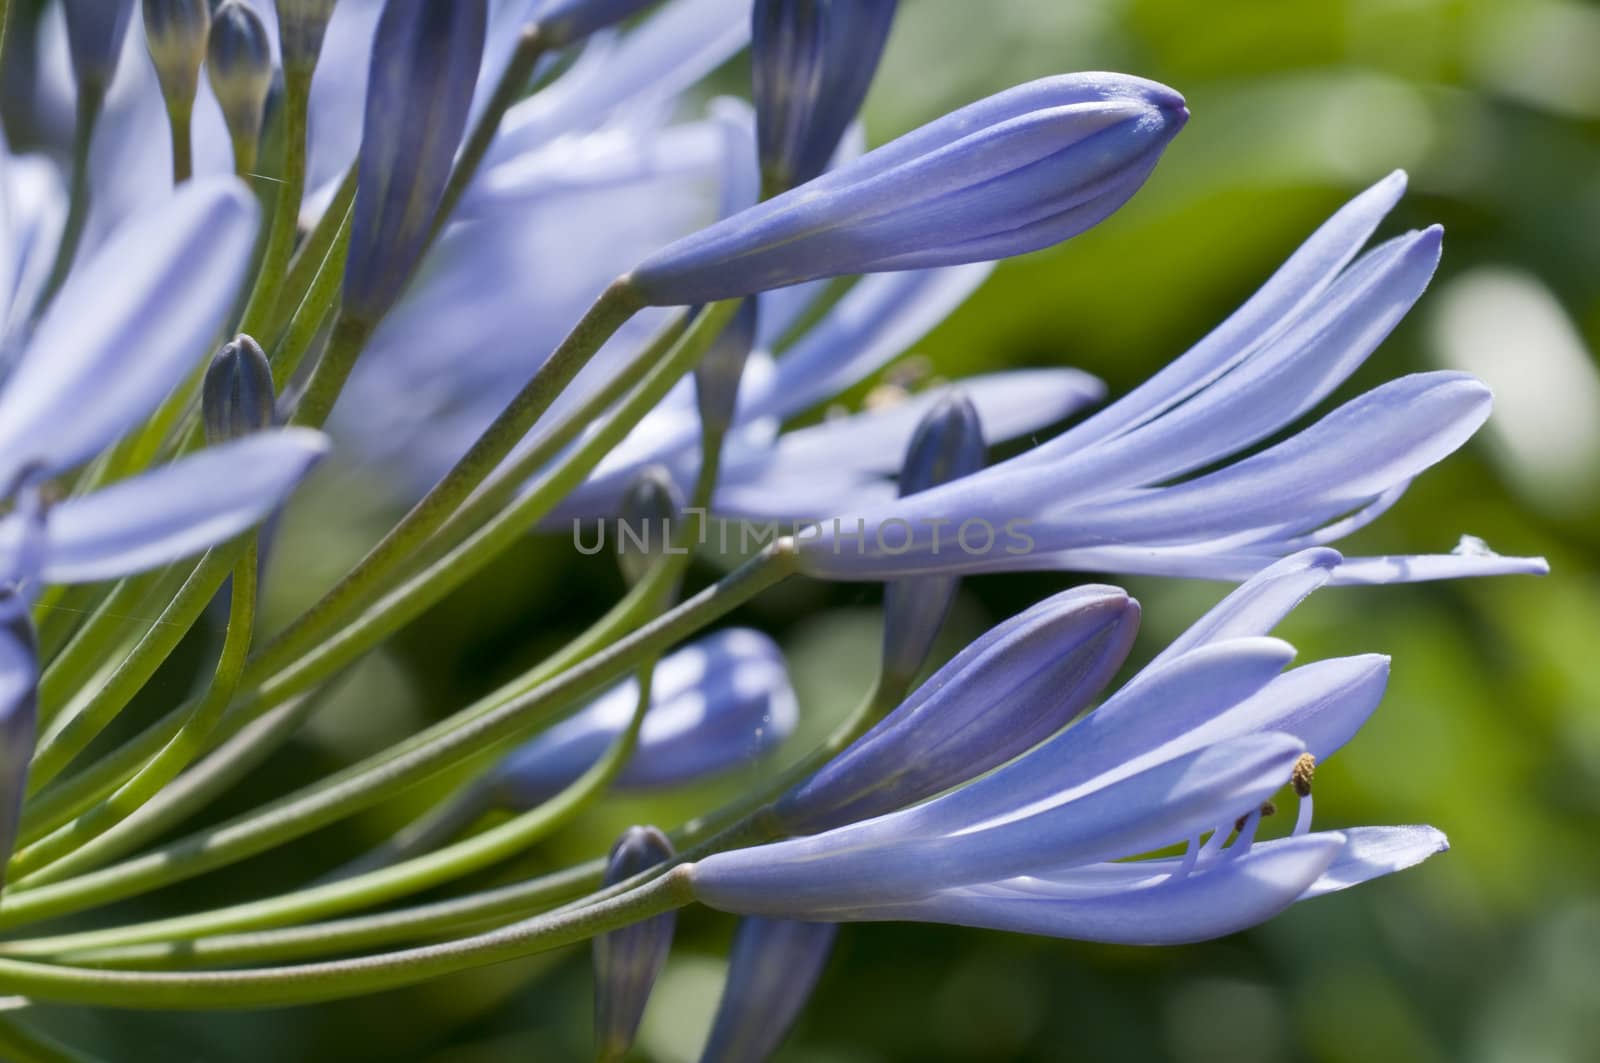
[(1304, 770), (1191, 856)]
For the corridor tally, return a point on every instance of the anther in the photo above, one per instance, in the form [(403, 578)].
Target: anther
[(1304, 770)]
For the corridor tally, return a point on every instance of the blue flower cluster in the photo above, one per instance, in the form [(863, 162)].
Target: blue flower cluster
[(517, 269)]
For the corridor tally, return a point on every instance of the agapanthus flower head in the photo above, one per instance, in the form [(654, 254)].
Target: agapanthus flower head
[(1019, 683), (561, 22), (948, 444), (95, 30), (237, 396), (628, 961), (302, 25), (1125, 491), (1193, 744), (812, 61), (772, 969), (239, 67), (1019, 171), (425, 60), (716, 705), (176, 32)]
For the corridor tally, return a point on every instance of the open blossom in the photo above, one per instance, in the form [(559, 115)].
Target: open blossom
[(1111, 494), (716, 704), (1192, 745)]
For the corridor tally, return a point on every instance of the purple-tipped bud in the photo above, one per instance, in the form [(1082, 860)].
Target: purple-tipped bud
[(19, 711), (717, 704), (948, 445), (561, 22), (302, 24), (772, 970), (813, 61), (95, 30), (239, 67), (237, 398), (716, 378), (176, 32), (1012, 688), (1013, 173), (650, 510), (627, 961), (425, 60)]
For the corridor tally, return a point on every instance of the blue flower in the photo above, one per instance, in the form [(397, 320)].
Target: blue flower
[(1019, 171), (812, 61), (1021, 682), (717, 704), (628, 961), (1110, 494), (774, 965), (1195, 743)]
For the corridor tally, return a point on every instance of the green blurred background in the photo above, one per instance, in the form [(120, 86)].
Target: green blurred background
[(1490, 731)]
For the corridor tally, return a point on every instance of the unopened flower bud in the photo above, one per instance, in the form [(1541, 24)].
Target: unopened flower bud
[(716, 378), (948, 445), (562, 22), (425, 59), (772, 970), (627, 961), (1014, 173), (302, 24), (95, 30), (1012, 688), (237, 398), (813, 61), (239, 67), (176, 32), (650, 511)]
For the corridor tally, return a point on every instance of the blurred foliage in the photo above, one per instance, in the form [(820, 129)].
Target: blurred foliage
[(1491, 729)]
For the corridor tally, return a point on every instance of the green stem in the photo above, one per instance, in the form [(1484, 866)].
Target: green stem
[(308, 262), (349, 337), (178, 754), (95, 640), (180, 120), (286, 215), (312, 312), (308, 983), (19, 1044), (373, 887), (57, 750), (607, 315), (364, 785)]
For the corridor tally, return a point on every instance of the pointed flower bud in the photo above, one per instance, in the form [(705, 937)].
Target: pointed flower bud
[(948, 445), (716, 378), (425, 59), (176, 32), (627, 961), (237, 398), (650, 510), (239, 67), (95, 29), (302, 24), (772, 970), (1010, 174), (561, 22), (1017, 685), (813, 61)]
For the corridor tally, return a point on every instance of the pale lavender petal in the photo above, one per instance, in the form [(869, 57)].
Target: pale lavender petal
[(1259, 605), (772, 969), (1416, 568), (127, 326), (1225, 899), (178, 509), (1372, 852)]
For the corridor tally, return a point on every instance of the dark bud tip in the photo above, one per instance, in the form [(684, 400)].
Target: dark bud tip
[(237, 398), (650, 511), (239, 65), (176, 32), (302, 25)]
